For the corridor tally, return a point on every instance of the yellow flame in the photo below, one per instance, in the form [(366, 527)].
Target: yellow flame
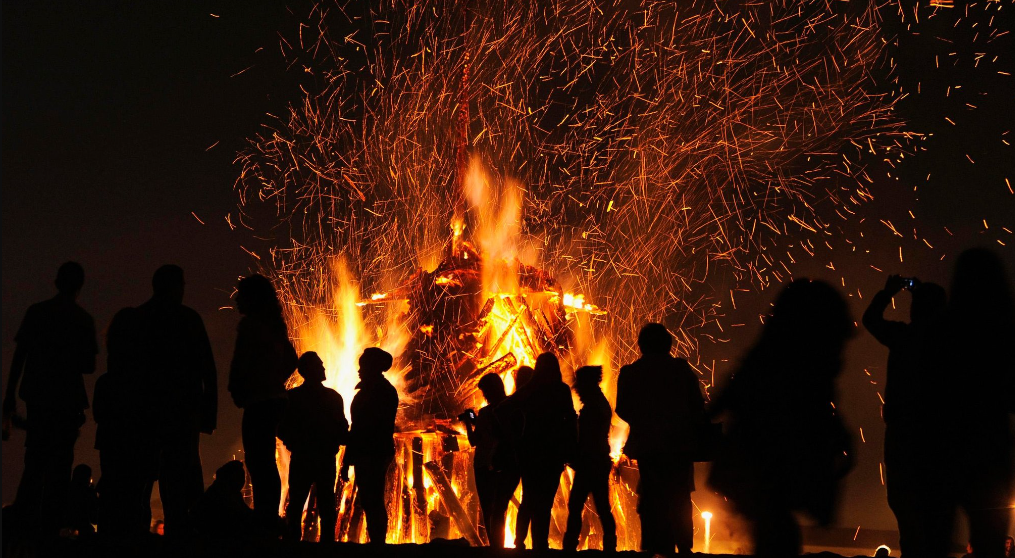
[(498, 217), (337, 333)]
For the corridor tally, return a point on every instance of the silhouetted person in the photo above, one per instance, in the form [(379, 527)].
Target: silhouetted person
[(82, 502), (313, 429), (128, 453), (976, 338), (371, 444), (513, 432), (786, 447), (659, 397), (547, 439), (591, 463), (510, 425), (1009, 547), (496, 474), (178, 362), (262, 363), (56, 346), (221, 512), (913, 445)]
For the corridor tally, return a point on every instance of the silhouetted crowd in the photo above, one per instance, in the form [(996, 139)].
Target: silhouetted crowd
[(782, 448)]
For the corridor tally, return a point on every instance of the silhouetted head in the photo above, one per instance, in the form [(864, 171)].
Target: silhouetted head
[(810, 322), (547, 370), (167, 283), (70, 278), (523, 376), (980, 283), (929, 300), (655, 339), (256, 296), (373, 362), (82, 475), (231, 477), (587, 380), (882, 552), (492, 387), (311, 367)]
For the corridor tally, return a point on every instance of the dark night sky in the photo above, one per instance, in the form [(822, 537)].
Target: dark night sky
[(109, 109)]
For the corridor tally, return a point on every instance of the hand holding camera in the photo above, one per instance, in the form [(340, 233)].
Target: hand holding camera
[(896, 283)]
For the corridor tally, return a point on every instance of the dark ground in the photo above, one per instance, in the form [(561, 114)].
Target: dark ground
[(158, 547)]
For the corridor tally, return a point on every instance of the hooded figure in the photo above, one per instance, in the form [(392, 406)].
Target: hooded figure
[(371, 444)]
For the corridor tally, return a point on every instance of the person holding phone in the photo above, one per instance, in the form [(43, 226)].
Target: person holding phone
[(492, 459), (912, 443)]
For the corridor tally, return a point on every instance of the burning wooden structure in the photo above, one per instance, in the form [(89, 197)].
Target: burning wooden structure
[(459, 331)]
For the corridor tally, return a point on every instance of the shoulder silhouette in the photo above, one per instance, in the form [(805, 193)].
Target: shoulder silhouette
[(263, 361), (125, 423), (591, 463), (975, 344), (659, 396), (371, 446), (313, 429), (788, 447), (176, 357), (55, 347)]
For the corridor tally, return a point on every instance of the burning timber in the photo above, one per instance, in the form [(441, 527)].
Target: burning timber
[(460, 332)]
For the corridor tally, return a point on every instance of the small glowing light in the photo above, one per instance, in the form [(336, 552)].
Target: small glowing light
[(707, 516)]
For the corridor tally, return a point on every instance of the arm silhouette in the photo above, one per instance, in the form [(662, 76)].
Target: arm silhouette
[(885, 331), (11, 397)]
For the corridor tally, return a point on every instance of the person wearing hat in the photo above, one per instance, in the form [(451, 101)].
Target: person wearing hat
[(371, 445)]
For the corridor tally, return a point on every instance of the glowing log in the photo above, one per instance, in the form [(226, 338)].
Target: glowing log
[(447, 494)]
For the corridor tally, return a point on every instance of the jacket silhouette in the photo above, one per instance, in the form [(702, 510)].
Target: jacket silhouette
[(547, 440), (263, 361), (128, 451), (313, 429), (914, 471), (495, 471), (973, 345), (371, 444), (787, 447), (660, 399), (591, 463), (510, 423), (56, 346), (177, 359)]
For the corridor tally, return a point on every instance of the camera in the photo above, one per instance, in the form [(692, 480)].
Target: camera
[(908, 283), (468, 416)]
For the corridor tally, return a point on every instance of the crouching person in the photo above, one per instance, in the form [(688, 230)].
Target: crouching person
[(221, 514), (313, 429)]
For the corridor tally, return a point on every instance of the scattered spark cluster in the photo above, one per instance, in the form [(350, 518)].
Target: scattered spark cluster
[(651, 143)]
